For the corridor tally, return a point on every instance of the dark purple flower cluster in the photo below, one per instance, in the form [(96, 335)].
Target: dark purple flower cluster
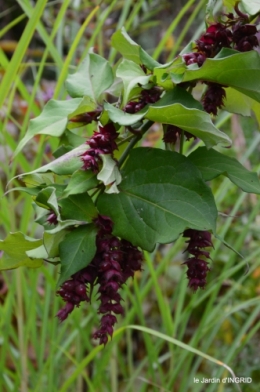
[(197, 266), (173, 133), (234, 32), (102, 142), (194, 58), (217, 36), (213, 98), (115, 261), (244, 37), (146, 97)]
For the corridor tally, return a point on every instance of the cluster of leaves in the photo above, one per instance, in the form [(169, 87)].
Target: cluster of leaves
[(150, 196)]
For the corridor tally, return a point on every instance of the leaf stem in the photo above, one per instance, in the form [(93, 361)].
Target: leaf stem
[(125, 140), (133, 142), (181, 141)]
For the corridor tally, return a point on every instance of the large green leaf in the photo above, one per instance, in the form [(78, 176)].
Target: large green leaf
[(77, 250), (91, 79), (231, 68), (180, 109), (162, 193), (15, 246), (131, 75), (52, 120), (212, 163), (79, 207)]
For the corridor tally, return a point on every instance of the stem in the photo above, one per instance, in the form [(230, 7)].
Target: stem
[(21, 335), (128, 149), (181, 141), (133, 142), (125, 140)]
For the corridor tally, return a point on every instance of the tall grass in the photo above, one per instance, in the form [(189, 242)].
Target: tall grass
[(168, 335)]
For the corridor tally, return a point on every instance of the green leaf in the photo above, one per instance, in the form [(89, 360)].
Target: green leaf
[(64, 165), (185, 116), (148, 61), (120, 117), (129, 49), (47, 198), (179, 95), (37, 253), (15, 246), (78, 207), (86, 105), (92, 78), (74, 210), (77, 250), (71, 139), (81, 181), (252, 7), (51, 242), (162, 193), (236, 102), (38, 179), (52, 120), (233, 69), (110, 173), (212, 163), (131, 75)]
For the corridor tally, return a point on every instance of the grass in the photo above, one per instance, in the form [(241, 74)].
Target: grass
[(168, 335)]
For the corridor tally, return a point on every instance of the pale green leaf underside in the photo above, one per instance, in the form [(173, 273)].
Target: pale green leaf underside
[(93, 76), (52, 120)]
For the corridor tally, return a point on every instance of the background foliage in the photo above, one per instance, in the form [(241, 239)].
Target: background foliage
[(38, 47)]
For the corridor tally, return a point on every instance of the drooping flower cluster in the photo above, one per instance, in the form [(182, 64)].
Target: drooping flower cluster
[(234, 32), (213, 99), (102, 142), (115, 261), (244, 37), (173, 133), (197, 266), (146, 97)]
